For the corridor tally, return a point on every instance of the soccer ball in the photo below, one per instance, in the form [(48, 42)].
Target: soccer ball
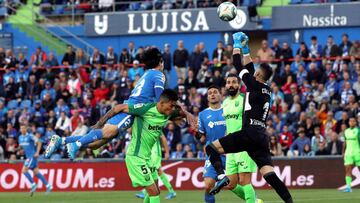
[(227, 11)]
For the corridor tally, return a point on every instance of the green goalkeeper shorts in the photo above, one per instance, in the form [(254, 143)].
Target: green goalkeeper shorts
[(239, 163), (139, 171), (352, 159)]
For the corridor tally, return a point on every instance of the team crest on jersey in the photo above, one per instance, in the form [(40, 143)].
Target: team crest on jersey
[(236, 103), (136, 106), (147, 178), (163, 78)]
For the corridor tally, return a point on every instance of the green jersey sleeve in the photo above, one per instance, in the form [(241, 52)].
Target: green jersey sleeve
[(140, 109)]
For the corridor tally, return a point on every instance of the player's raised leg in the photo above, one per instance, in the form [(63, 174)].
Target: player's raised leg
[(118, 121)]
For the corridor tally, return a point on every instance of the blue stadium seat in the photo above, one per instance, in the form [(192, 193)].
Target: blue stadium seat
[(25, 104), (13, 104)]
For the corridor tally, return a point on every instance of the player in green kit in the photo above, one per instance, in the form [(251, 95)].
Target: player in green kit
[(351, 151), (155, 167), (239, 166), (146, 130)]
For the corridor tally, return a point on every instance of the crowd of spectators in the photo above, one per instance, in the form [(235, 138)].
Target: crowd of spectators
[(51, 7), (314, 94)]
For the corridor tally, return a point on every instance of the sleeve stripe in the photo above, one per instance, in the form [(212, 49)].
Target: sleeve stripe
[(242, 72), (158, 86), (201, 131)]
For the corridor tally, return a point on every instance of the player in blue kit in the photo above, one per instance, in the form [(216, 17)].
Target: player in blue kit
[(147, 90), (31, 146), (212, 126)]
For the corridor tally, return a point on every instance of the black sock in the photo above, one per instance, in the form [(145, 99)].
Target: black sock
[(278, 186), (215, 159)]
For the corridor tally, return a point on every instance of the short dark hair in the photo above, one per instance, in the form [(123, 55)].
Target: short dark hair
[(169, 95), (213, 87), (313, 38), (152, 57), (346, 35), (266, 71), (232, 75)]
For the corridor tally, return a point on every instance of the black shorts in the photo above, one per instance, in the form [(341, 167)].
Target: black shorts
[(253, 140)]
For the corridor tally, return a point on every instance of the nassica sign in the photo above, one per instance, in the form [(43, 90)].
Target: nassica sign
[(165, 21), (315, 16)]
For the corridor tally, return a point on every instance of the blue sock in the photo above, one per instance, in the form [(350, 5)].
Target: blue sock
[(42, 178), (73, 138), (92, 136), (28, 176), (209, 198)]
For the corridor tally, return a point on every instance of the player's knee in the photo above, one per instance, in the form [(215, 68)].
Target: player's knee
[(231, 185), (208, 187), (244, 181), (24, 170), (160, 172), (210, 150), (109, 131), (153, 191), (36, 171), (266, 169)]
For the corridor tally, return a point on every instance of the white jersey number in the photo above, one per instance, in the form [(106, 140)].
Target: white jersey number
[(138, 88), (266, 110)]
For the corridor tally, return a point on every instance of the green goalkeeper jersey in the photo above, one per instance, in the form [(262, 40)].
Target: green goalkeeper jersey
[(352, 141), (146, 130), (233, 112)]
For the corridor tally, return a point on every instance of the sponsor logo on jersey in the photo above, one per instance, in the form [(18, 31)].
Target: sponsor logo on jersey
[(232, 116), (155, 128), (216, 123), (136, 106)]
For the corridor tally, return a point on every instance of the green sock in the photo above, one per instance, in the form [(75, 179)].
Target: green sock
[(348, 180), (146, 198), (250, 196), (155, 199), (166, 182), (239, 191)]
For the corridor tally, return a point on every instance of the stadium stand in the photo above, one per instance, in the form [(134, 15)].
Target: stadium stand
[(37, 94)]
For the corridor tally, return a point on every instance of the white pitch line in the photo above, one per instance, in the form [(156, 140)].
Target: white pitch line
[(318, 199)]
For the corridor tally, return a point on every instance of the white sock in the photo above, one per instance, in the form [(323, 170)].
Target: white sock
[(78, 143)]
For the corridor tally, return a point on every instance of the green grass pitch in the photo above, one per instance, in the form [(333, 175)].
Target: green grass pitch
[(269, 196)]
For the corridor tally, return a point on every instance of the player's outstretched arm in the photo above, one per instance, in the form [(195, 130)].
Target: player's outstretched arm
[(112, 112), (38, 148)]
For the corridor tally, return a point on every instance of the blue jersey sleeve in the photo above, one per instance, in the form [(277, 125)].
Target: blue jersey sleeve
[(159, 80), (201, 124)]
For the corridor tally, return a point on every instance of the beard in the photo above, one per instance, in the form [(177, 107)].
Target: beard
[(232, 91)]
